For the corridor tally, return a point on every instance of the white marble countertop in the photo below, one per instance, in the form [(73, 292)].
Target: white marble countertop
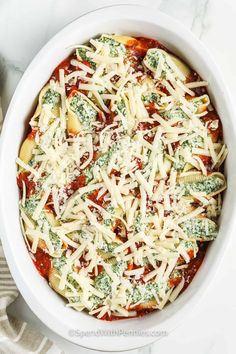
[(24, 27)]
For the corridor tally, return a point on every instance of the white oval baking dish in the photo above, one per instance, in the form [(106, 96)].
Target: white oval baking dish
[(46, 304)]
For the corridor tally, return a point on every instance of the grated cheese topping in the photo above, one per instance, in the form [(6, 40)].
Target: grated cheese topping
[(121, 176)]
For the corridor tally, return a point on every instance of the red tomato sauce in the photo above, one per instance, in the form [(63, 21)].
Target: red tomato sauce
[(42, 262), (217, 133), (72, 90), (120, 230), (137, 49), (79, 182), (151, 108), (32, 134), (140, 313), (147, 125), (64, 65), (194, 264), (94, 197), (99, 270), (205, 159), (105, 119), (139, 163), (69, 68), (174, 281), (29, 184), (199, 91)]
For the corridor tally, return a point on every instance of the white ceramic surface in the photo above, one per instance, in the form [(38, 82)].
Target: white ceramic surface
[(44, 302)]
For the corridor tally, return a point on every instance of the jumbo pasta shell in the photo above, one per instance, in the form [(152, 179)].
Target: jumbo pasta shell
[(201, 103), (126, 40), (211, 185), (150, 304), (183, 67), (73, 124), (54, 281), (44, 98), (41, 243), (200, 229), (151, 60), (26, 150), (109, 256), (81, 112)]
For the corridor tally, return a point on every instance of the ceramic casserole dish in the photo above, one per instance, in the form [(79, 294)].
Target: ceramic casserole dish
[(44, 302)]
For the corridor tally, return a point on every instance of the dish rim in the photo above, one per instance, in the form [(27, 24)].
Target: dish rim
[(27, 293)]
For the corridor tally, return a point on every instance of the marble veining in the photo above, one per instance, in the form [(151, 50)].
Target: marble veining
[(24, 28), (199, 23)]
